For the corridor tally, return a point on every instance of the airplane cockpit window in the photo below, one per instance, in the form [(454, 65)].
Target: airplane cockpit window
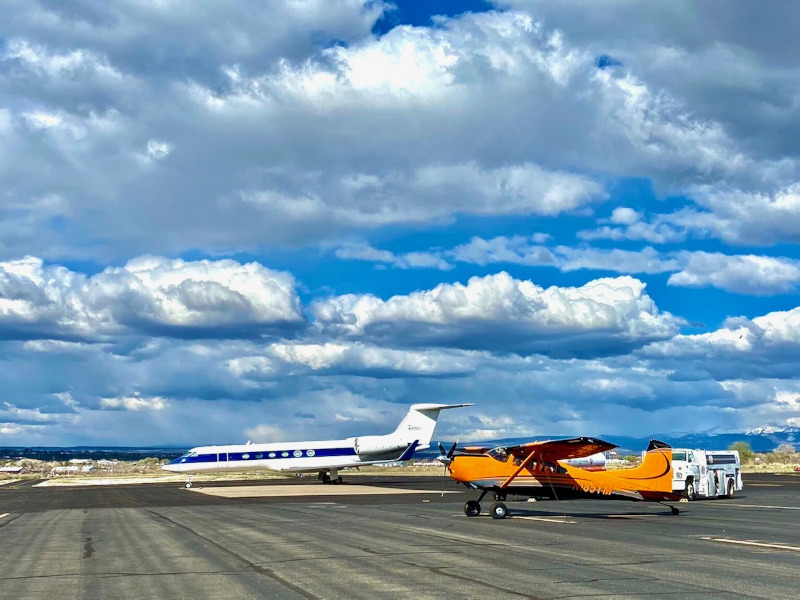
[(188, 455), (500, 453)]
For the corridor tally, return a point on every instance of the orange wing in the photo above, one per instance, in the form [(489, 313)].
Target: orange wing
[(556, 450)]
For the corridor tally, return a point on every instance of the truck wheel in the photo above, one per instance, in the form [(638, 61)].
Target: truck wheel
[(731, 488), (690, 492)]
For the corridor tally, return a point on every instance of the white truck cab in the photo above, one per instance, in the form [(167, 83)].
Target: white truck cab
[(706, 473)]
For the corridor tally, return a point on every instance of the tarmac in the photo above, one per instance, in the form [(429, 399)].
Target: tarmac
[(163, 541)]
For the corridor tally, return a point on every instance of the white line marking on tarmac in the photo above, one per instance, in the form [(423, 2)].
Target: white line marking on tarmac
[(764, 485), (749, 543), (4, 515), (728, 504), (545, 519), (285, 491)]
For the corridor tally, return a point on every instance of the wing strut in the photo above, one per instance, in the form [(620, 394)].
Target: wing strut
[(522, 465)]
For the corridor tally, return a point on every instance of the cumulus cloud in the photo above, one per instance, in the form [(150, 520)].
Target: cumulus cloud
[(326, 128), (149, 294), (744, 274), (280, 360), (499, 312), (408, 260), (134, 403), (767, 346)]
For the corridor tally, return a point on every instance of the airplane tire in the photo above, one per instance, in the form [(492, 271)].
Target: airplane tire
[(472, 508), (690, 491), (731, 489), (326, 478), (499, 510), (337, 481)]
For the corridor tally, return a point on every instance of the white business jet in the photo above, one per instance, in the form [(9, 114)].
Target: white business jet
[(323, 457)]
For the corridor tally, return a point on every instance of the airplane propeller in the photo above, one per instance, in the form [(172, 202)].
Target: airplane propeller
[(446, 458)]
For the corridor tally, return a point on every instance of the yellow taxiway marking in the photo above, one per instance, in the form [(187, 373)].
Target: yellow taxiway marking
[(269, 491), (749, 543), (4, 515)]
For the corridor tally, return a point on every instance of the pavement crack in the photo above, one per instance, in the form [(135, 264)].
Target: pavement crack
[(88, 548), (473, 581), (261, 570)]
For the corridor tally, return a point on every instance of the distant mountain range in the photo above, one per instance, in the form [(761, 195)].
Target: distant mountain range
[(761, 439)]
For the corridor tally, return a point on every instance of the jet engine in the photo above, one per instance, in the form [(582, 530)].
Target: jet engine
[(377, 444), (595, 462)]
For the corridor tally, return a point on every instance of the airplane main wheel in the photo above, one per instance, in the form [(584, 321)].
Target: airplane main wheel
[(337, 481), (500, 497), (731, 489), (472, 508), (690, 491), (326, 478), (499, 510)]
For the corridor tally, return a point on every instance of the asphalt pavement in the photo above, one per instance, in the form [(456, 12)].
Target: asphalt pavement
[(162, 541)]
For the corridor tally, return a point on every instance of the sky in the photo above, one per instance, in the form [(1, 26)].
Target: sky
[(292, 219)]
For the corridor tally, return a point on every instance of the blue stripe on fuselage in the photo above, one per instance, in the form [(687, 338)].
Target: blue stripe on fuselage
[(271, 455)]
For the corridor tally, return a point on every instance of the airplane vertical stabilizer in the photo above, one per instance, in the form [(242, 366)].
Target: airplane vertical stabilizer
[(420, 422)]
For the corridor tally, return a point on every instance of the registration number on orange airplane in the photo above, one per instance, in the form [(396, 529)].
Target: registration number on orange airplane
[(594, 487)]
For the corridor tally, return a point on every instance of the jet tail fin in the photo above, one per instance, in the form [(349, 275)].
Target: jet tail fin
[(420, 423)]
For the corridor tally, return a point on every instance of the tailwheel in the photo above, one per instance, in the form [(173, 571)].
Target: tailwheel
[(472, 508), (674, 510), (499, 510)]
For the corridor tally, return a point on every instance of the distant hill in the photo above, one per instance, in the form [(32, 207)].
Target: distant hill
[(90, 452), (761, 439)]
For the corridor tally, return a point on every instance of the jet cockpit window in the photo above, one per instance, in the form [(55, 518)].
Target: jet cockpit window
[(500, 453), (188, 455)]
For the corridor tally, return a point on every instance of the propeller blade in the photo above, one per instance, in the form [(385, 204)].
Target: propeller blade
[(452, 449), (441, 449)]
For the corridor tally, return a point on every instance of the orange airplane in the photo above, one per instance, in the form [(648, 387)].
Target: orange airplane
[(542, 469)]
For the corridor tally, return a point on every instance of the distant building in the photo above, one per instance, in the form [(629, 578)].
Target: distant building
[(10, 469), (63, 471)]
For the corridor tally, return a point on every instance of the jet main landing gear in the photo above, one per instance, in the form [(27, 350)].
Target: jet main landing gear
[(333, 477)]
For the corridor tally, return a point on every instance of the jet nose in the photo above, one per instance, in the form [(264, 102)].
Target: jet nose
[(174, 466)]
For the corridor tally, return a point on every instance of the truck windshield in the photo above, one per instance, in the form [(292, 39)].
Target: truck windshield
[(678, 455)]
